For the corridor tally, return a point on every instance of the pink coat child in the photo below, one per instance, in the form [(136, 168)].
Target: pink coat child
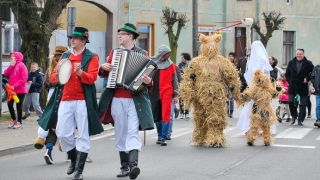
[(284, 99), (17, 73)]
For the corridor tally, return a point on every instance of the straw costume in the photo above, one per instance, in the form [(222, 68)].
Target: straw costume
[(261, 92), (204, 87)]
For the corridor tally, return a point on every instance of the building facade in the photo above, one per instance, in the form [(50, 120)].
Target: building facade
[(104, 17)]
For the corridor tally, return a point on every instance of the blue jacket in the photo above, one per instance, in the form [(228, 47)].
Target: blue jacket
[(37, 81)]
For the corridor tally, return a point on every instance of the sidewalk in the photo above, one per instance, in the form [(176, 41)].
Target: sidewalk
[(14, 141)]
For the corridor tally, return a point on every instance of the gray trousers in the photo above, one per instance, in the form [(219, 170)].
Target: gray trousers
[(34, 98)]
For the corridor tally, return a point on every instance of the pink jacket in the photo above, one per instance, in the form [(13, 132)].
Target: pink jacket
[(285, 94), (17, 74)]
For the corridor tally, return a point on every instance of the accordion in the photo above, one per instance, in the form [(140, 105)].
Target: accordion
[(128, 67)]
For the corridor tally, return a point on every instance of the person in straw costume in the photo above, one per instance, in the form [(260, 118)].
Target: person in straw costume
[(204, 88)]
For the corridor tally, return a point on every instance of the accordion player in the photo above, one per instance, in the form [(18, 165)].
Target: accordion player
[(128, 67)]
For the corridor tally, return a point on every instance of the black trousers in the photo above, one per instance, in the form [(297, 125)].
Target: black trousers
[(302, 107), (19, 107), (309, 105)]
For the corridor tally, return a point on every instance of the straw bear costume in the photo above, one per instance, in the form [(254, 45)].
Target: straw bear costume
[(204, 87), (261, 92)]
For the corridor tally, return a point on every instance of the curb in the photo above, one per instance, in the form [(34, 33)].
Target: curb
[(16, 150), (20, 149)]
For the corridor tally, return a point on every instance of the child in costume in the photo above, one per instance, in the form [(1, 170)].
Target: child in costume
[(261, 92), (49, 137), (203, 87), (258, 59)]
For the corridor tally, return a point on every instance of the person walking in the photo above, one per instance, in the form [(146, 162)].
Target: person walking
[(49, 137), (315, 79), (165, 88), (185, 59), (298, 73), (17, 73), (230, 101), (74, 104), (129, 112), (242, 67), (35, 81)]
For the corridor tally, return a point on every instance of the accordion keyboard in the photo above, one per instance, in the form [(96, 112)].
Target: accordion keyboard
[(112, 79)]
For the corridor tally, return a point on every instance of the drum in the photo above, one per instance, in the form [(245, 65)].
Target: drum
[(64, 71)]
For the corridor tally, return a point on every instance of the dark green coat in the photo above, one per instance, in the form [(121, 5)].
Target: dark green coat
[(49, 117), (141, 101)]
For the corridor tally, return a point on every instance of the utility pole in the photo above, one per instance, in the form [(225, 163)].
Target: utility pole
[(71, 21), (195, 28)]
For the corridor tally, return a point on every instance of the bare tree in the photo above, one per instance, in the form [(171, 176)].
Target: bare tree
[(273, 21), (36, 26), (169, 19)]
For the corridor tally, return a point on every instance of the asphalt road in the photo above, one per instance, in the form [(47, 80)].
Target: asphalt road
[(294, 156)]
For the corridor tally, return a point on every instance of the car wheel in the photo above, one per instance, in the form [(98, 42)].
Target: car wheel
[(4, 94)]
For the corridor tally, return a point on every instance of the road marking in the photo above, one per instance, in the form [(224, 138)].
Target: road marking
[(228, 129), (177, 134), (294, 133), (101, 136), (181, 134), (318, 138), (294, 146)]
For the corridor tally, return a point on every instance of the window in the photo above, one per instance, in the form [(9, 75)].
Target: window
[(146, 37), (11, 39), (288, 47)]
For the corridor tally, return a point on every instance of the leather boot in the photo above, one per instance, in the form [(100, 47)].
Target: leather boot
[(73, 157), (124, 170), (81, 161), (133, 163)]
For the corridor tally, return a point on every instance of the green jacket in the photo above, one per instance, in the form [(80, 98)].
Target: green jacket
[(141, 101), (50, 114)]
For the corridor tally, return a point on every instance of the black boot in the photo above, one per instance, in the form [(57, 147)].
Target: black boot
[(81, 160), (73, 157), (133, 163), (124, 170)]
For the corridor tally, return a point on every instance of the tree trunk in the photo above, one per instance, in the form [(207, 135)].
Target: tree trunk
[(35, 29)]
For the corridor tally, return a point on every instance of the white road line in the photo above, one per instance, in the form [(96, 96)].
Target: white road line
[(239, 134), (294, 133), (177, 134), (294, 146), (228, 129), (318, 138), (101, 136), (181, 134)]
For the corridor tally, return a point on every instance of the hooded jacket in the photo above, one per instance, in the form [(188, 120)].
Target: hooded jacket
[(165, 86), (17, 74), (37, 81)]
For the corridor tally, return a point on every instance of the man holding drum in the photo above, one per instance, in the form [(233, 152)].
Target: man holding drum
[(75, 98), (129, 111)]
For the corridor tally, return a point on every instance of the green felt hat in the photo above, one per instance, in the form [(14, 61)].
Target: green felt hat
[(80, 32), (128, 27)]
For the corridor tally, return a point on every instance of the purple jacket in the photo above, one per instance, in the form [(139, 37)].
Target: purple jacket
[(17, 74)]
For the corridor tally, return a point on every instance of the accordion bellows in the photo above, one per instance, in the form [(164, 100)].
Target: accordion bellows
[(128, 67)]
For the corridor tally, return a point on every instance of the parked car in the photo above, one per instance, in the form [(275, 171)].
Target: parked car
[(4, 94)]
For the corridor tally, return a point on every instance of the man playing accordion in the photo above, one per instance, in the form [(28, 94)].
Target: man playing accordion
[(128, 111)]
